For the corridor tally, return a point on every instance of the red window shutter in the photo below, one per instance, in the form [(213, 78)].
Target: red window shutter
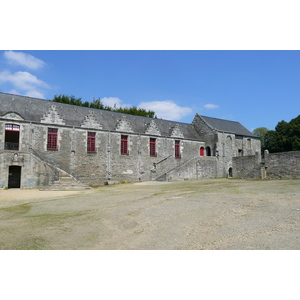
[(177, 149), (52, 139), (91, 142), (152, 147), (124, 144)]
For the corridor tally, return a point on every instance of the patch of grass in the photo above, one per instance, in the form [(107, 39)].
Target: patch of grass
[(157, 194), (55, 219), (18, 209), (35, 243)]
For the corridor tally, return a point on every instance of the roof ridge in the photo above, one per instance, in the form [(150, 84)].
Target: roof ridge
[(221, 119)]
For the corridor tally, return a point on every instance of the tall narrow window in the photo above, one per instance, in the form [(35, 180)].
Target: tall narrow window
[(152, 147), (12, 133), (124, 144), (91, 142), (177, 149), (52, 139)]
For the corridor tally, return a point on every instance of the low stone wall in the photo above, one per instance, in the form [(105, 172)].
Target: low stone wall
[(247, 167), (284, 165), (207, 167)]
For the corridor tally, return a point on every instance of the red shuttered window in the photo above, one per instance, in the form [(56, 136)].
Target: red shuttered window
[(177, 149), (52, 139), (152, 147), (91, 142), (124, 144)]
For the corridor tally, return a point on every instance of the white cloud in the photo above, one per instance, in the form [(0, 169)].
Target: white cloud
[(24, 81), (112, 101), (24, 59), (166, 109), (35, 94), (211, 106)]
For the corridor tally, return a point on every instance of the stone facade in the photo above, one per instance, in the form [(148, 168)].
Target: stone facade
[(41, 140)]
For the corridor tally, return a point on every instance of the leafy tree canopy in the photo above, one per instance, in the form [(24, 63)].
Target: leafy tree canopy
[(96, 103), (285, 137), (261, 132)]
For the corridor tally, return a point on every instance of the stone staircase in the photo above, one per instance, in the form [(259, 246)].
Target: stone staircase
[(166, 176), (66, 182)]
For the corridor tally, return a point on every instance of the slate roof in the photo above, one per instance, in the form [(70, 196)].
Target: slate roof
[(33, 110), (227, 126)]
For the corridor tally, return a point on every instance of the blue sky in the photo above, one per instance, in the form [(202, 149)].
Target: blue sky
[(255, 88)]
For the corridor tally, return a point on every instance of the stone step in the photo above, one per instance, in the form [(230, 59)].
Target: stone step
[(66, 183)]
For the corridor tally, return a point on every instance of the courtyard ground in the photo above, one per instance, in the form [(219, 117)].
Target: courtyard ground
[(204, 214)]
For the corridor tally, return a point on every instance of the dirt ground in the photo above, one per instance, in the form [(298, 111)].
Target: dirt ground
[(205, 214)]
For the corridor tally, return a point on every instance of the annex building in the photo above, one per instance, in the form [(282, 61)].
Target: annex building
[(44, 143)]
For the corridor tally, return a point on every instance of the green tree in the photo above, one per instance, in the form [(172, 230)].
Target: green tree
[(261, 133), (97, 104), (67, 99), (285, 137)]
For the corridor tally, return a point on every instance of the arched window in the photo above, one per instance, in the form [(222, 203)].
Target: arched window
[(202, 151), (208, 151)]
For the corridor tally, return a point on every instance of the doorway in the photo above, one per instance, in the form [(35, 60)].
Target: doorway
[(14, 177), (230, 174)]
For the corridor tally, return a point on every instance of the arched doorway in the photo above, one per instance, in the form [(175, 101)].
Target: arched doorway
[(208, 151), (230, 174), (14, 177), (202, 151)]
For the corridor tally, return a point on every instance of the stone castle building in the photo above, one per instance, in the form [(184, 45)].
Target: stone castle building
[(44, 143)]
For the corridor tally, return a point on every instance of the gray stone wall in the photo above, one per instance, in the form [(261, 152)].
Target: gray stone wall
[(247, 167), (207, 167), (209, 135), (34, 172), (284, 165)]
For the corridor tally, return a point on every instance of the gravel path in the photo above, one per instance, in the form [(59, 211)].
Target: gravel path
[(208, 214)]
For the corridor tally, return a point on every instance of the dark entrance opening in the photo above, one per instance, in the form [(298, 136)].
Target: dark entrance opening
[(230, 175), (14, 177), (12, 133), (208, 151)]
